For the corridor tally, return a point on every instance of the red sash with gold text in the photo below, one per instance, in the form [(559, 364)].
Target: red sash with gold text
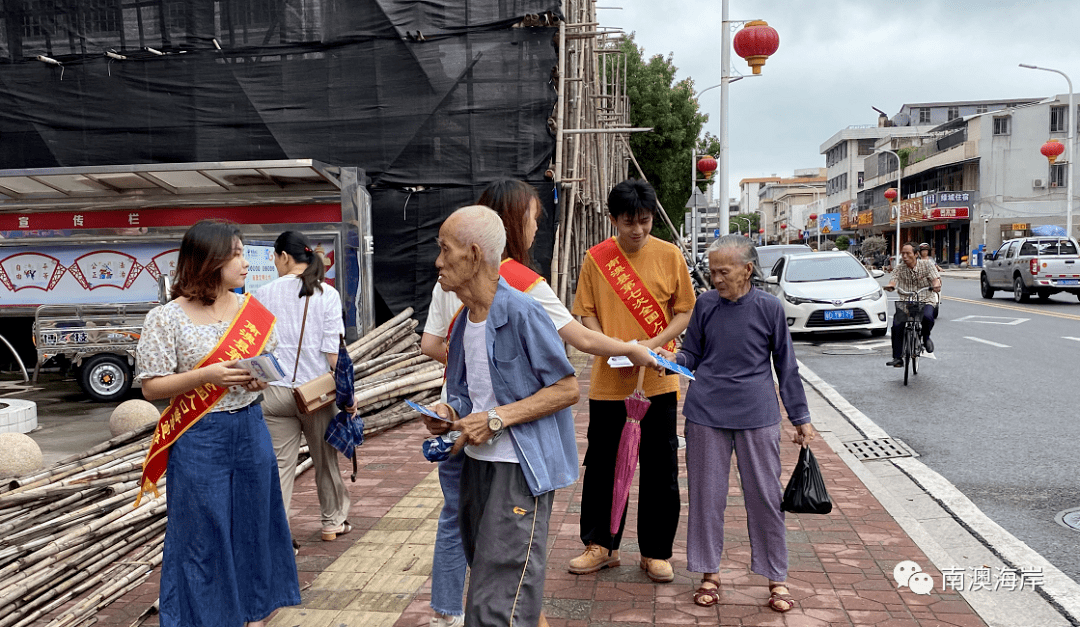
[(630, 288), (245, 337)]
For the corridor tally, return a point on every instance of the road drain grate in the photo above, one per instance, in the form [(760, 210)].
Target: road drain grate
[(881, 448)]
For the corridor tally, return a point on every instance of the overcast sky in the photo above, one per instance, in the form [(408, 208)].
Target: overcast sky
[(839, 58)]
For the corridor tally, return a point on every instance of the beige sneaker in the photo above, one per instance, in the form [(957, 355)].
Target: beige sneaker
[(659, 571), (593, 559)]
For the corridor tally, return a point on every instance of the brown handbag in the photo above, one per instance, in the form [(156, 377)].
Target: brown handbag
[(320, 391)]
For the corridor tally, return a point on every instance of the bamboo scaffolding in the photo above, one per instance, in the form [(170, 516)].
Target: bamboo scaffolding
[(590, 116)]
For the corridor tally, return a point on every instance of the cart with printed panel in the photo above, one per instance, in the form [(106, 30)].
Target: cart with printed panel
[(86, 252)]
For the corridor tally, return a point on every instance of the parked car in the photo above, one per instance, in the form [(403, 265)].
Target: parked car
[(1032, 265), (828, 291), (769, 255)]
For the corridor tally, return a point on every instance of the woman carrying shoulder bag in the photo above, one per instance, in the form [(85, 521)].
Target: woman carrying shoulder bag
[(309, 327)]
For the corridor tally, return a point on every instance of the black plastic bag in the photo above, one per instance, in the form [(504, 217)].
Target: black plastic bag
[(805, 492)]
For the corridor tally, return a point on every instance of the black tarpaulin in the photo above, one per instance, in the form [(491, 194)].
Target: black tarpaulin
[(437, 94), (405, 238)]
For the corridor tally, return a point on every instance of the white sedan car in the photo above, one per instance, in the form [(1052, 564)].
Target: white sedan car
[(828, 291)]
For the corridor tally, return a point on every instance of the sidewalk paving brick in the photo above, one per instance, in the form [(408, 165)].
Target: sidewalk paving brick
[(840, 570)]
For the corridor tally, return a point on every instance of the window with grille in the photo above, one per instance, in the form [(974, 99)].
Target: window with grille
[(1057, 175), (1001, 126), (954, 112), (924, 115), (866, 147), (1058, 123), (981, 109)]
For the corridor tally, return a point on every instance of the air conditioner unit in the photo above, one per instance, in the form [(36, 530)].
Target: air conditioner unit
[(1038, 183)]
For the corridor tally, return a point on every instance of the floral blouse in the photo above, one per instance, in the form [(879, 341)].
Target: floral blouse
[(172, 343)]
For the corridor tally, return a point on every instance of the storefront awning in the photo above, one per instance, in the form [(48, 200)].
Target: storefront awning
[(21, 188)]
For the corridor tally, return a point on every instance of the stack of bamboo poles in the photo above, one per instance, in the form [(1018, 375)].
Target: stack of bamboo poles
[(70, 533), (70, 538), (389, 368)]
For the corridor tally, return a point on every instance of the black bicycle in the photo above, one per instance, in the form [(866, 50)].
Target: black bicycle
[(913, 345)]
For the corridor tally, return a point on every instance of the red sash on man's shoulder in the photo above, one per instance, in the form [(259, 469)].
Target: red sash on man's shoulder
[(518, 275), (245, 337), (630, 288)]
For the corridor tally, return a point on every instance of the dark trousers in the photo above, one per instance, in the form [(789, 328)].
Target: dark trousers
[(898, 328), (658, 476), (504, 531)]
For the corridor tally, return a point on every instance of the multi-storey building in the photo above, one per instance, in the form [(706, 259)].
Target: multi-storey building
[(783, 203), (974, 179)]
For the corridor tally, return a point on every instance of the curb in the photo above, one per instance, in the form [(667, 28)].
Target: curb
[(1057, 589)]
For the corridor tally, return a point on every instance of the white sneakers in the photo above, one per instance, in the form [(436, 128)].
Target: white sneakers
[(447, 621)]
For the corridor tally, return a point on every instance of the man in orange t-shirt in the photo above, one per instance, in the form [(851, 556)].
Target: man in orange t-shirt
[(632, 287)]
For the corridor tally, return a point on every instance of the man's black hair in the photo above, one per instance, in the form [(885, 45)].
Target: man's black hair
[(632, 197)]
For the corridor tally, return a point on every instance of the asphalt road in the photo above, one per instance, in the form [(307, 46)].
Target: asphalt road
[(994, 412)]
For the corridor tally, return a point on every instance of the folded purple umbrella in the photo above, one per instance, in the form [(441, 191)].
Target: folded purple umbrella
[(626, 461)]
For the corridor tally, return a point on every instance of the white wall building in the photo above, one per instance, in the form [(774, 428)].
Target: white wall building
[(974, 178)]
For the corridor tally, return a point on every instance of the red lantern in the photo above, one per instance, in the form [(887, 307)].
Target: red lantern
[(813, 216), (890, 195), (1052, 150), (783, 226), (761, 230), (756, 42), (706, 165)]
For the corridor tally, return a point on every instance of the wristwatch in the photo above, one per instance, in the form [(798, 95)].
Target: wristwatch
[(495, 423)]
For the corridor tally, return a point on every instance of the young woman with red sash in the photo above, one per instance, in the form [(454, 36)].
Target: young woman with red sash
[(228, 558), (518, 204)]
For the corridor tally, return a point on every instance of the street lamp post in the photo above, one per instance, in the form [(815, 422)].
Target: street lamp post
[(817, 227), (899, 195), (1068, 147), (748, 223), (764, 226)]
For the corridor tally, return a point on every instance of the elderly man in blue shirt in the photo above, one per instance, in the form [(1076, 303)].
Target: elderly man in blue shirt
[(736, 337), (509, 389)]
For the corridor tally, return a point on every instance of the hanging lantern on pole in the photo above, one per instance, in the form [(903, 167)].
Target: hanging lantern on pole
[(756, 42), (890, 195), (1052, 149), (706, 165)]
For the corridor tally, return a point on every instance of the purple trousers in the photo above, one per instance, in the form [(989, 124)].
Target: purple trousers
[(708, 465)]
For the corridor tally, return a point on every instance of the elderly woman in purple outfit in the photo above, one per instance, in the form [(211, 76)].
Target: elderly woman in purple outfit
[(737, 335)]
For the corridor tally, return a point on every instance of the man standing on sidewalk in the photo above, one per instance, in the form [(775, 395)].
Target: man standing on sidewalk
[(632, 287), (509, 387)]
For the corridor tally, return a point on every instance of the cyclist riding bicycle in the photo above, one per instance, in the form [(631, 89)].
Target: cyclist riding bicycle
[(911, 275)]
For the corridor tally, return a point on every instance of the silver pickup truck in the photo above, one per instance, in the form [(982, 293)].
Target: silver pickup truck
[(1033, 265)]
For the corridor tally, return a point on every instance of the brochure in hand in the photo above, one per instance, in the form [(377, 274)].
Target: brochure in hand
[(263, 367), (624, 362), (425, 410)]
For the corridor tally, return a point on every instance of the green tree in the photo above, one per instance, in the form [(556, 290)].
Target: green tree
[(843, 242), (668, 107)]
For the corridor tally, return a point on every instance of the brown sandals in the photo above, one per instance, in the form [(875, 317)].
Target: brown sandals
[(780, 601), (707, 597)]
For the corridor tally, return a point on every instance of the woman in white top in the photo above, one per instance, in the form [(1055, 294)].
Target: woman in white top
[(299, 290), (518, 204)]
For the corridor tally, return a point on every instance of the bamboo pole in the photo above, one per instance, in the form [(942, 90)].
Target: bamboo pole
[(406, 343)]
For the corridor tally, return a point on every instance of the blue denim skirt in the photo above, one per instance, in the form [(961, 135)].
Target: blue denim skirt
[(228, 556)]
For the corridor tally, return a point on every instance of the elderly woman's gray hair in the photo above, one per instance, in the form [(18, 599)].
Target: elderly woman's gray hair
[(742, 246), (480, 225)]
